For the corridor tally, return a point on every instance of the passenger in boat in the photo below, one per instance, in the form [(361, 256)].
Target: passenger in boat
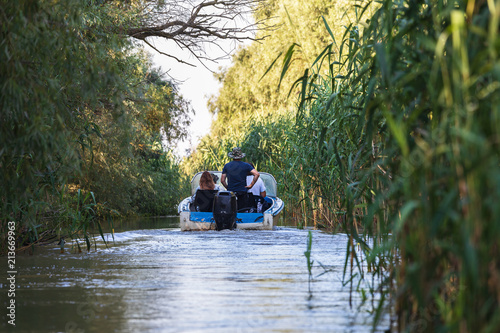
[(236, 173), (207, 182), (262, 202), (259, 188), (216, 179), (204, 196)]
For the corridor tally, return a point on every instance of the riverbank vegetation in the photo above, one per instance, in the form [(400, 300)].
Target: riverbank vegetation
[(393, 139), (379, 119), (86, 118), (88, 123)]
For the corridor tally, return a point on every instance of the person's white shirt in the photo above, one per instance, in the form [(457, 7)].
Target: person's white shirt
[(258, 187)]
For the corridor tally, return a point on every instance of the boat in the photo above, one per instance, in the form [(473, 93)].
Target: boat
[(217, 210)]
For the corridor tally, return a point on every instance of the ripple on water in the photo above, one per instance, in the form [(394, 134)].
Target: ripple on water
[(172, 281)]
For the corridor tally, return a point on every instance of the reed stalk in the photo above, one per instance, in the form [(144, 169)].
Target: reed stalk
[(395, 141)]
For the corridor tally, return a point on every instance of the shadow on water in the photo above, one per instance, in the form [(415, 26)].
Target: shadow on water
[(153, 277), (141, 223)]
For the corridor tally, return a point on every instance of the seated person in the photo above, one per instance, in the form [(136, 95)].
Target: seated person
[(216, 179), (262, 204), (205, 193), (259, 193), (245, 202), (259, 188), (207, 182)]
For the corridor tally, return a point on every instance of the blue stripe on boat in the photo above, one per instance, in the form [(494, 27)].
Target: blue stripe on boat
[(201, 217), (245, 217)]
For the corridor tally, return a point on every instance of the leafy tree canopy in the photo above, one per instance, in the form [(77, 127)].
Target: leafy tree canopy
[(83, 107), (250, 86)]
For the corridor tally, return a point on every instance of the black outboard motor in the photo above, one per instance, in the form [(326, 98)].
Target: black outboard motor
[(225, 210)]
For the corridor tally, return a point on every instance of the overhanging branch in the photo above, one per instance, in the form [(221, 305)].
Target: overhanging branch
[(194, 24)]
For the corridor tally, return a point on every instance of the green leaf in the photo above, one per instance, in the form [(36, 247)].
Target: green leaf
[(271, 66), (329, 30), (286, 62)]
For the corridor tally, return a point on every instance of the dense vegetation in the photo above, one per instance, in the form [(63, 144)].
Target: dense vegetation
[(255, 106), (82, 110), (393, 139), (379, 119)]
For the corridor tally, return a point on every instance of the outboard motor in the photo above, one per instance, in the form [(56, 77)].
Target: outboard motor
[(225, 210)]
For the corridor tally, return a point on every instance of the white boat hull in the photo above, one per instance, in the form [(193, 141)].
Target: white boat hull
[(197, 221)]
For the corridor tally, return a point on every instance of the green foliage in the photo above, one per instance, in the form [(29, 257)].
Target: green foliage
[(253, 114), (395, 142), (245, 91), (82, 218), (307, 254), (417, 164), (82, 108), (131, 170), (162, 187)]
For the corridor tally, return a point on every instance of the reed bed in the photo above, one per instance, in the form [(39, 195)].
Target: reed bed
[(412, 132), (396, 142)]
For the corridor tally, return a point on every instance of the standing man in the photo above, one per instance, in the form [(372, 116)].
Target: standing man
[(236, 173)]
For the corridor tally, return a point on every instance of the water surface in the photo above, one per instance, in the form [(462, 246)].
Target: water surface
[(157, 278)]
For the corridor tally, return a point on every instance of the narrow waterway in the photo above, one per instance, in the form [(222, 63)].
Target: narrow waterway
[(157, 278)]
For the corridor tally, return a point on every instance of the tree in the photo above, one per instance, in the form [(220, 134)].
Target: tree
[(246, 91), (192, 25), (82, 107)]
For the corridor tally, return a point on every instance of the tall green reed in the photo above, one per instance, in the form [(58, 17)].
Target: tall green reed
[(425, 168), (396, 143), (309, 261), (400, 139), (83, 220)]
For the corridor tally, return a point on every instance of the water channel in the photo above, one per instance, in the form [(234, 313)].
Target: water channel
[(153, 277)]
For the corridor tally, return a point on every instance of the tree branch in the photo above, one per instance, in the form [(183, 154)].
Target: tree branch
[(193, 24), (166, 54)]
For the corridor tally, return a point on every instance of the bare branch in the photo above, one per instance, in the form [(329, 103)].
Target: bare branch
[(166, 54), (194, 24)]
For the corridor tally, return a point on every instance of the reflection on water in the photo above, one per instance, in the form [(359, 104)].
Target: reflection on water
[(140, 223), (160, 279)]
